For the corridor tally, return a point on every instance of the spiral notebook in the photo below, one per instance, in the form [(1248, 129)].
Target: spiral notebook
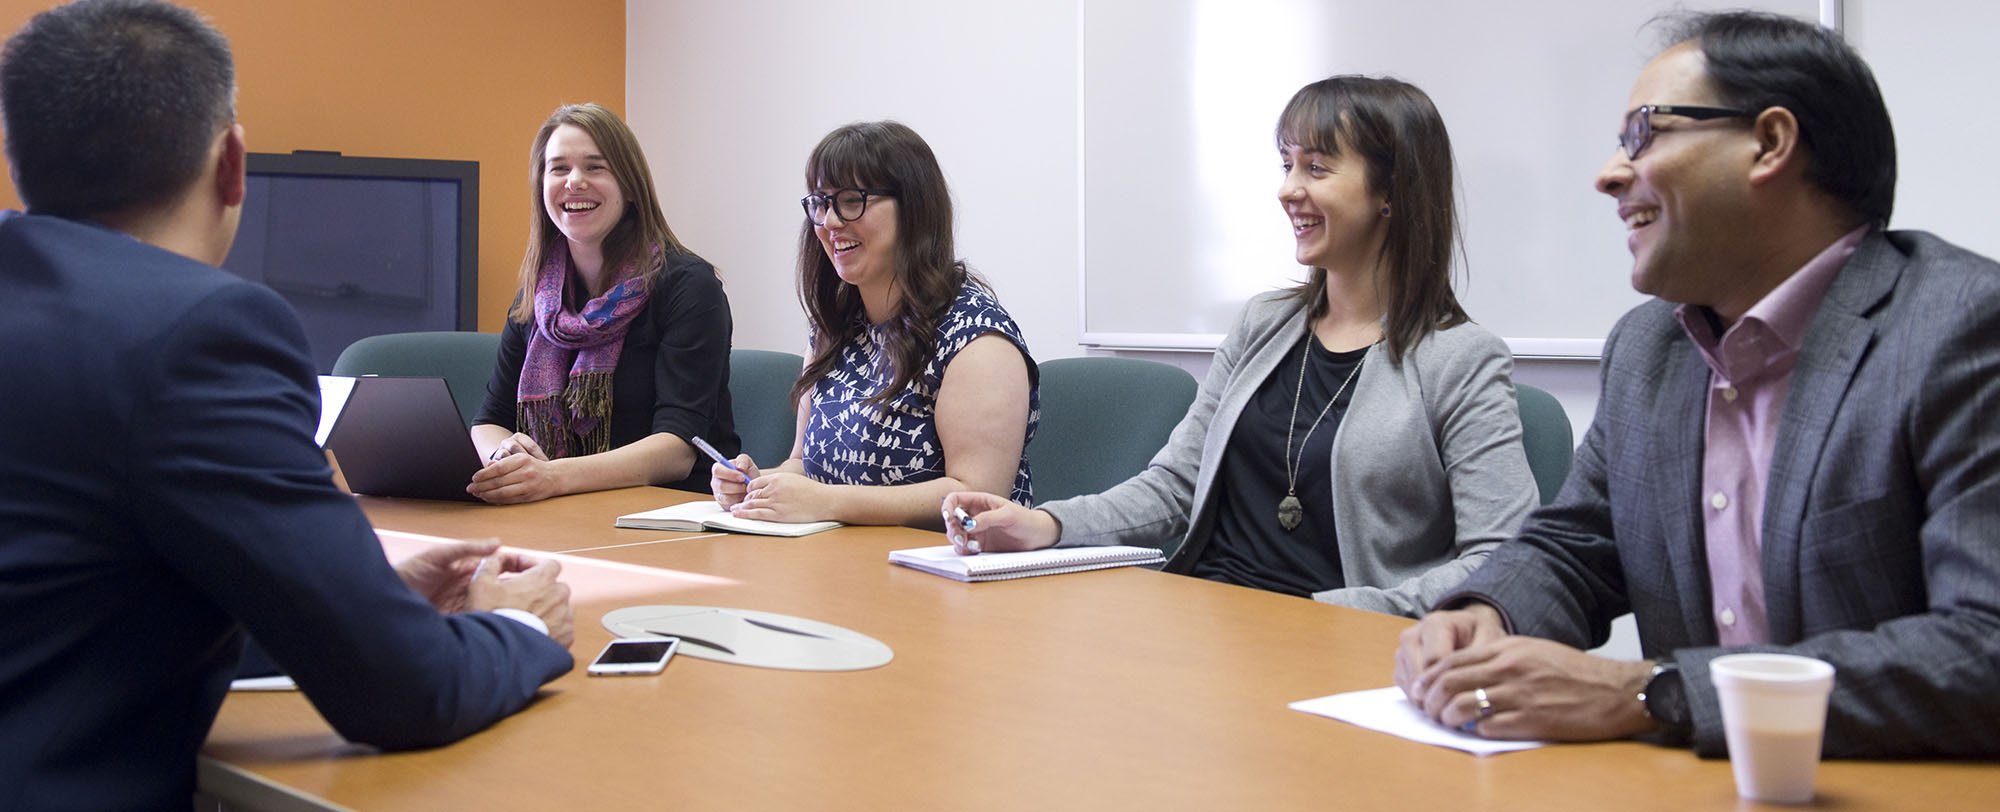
[(1005, 566)]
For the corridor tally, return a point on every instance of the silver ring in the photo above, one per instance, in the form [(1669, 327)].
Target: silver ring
[(1485, 705)]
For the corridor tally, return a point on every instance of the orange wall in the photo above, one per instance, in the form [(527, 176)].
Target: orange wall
[(453, 79)]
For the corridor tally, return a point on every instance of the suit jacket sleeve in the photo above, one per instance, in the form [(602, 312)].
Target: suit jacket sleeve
[(1560, 578), (238, 500)]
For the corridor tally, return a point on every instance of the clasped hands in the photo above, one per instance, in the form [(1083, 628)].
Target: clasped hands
[(1532, 688), (518, 471), (475, 576)]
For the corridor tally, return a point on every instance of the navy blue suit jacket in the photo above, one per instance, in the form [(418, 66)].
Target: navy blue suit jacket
[(160, 491), (1881, 530)]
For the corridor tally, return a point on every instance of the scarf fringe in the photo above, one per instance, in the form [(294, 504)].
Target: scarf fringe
[(589, 397), (586, 400)]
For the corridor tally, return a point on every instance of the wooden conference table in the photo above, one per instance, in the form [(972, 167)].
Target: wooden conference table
[(1120, 689)]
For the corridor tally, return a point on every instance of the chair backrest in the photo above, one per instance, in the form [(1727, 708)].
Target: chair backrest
[(1103, 419), (760, 395), (464, 360), (1545, 431)]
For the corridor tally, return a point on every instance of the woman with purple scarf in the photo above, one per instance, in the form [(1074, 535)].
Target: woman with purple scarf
[(616, 351)]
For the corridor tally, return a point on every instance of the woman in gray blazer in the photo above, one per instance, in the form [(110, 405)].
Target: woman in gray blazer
[(1357, 438)]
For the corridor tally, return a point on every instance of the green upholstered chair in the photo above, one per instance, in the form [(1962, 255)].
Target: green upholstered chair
[(760, 394), (464, 360), (1546, 433), (1103, 419)]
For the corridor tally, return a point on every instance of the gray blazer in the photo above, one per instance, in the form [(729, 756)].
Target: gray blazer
[(1881, 547), (1428, 468)]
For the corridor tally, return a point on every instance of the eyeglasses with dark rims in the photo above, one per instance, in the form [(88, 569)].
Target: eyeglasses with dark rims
[(850, 204), (1638, 132)]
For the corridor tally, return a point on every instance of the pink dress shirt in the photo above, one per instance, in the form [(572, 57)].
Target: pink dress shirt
[(1750, 368)]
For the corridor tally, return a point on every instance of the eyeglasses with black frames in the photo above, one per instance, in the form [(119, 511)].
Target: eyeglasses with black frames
[(1638, 133), (850, 204)]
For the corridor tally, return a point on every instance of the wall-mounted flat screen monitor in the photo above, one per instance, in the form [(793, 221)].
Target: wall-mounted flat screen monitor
[(362, 246)]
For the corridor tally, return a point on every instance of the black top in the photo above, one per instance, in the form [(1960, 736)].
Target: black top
[(1248, 546), (672, 376)]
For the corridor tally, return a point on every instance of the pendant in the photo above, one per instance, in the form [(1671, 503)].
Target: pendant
[(1290, 512)]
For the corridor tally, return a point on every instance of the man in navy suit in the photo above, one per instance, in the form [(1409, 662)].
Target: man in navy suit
[(160, 490), (1795, 449)]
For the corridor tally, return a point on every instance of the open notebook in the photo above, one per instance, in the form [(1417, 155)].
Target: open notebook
[(705, 514), (1005, 566)]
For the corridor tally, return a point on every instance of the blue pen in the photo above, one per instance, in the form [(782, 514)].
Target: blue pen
[(717, 456)]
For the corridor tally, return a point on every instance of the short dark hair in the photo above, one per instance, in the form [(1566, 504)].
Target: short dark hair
[(1759, 61), (1394, 129), (112, 105)]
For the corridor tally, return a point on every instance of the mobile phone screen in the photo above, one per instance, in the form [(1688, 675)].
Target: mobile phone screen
[(635, 652)]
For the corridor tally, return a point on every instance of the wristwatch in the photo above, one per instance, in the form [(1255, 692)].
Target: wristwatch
[(1665, 699)]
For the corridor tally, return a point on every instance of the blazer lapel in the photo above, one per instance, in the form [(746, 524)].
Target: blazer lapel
[(1680, 436), (1835, 342), (1259, 359)]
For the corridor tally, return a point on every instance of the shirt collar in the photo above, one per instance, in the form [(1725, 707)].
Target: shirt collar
[(1773, 328)]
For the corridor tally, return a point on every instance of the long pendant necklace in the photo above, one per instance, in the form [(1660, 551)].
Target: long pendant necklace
[(1290, 512)]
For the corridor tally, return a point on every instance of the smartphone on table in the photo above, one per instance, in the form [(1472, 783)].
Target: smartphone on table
[(634, 655)]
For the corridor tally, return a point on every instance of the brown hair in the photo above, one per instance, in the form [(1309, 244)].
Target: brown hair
[(881, 155), (641, 236), (1397, 132)]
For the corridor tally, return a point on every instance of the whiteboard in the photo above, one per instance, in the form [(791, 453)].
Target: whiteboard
[(1935, 62), (1177, 100)]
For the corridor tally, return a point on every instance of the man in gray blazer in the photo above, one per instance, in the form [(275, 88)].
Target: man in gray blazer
[(1795, 446)]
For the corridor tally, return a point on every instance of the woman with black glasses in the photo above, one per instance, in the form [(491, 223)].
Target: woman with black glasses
[(917, 383)]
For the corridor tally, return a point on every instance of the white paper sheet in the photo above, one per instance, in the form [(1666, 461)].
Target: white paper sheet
[(279, 682), (1387, 710), (333, 392)]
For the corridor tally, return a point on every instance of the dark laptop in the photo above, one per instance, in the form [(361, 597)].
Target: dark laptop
[(403, 437)]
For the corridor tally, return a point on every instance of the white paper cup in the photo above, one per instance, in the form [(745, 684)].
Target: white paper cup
[(1774, 715)]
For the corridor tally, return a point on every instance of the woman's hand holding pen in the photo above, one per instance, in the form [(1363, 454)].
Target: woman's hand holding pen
[(730, 481), (981, 522)]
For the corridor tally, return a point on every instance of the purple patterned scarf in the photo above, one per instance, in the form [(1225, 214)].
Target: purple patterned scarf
[(565, 392)]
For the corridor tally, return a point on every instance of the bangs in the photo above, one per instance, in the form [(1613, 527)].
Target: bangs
[(845, 161), (1313, 122)]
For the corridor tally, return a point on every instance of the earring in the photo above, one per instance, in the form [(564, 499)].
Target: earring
[(1385, 211)]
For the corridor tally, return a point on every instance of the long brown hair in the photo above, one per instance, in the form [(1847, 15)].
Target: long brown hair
[(881, 155), (1397, 132), (641, 236)]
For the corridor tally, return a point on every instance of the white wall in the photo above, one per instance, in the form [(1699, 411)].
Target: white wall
[(728, 99)]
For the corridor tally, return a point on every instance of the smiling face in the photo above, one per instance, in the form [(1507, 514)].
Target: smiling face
[(578, 191), (1337, 220), (864, 250), (1685, 200)]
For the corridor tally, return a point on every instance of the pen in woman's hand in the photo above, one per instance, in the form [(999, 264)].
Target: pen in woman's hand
[(717, 456)]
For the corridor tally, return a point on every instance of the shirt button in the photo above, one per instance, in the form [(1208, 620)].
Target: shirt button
[(1729, 394), (1728, 617), (1719, 500)]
